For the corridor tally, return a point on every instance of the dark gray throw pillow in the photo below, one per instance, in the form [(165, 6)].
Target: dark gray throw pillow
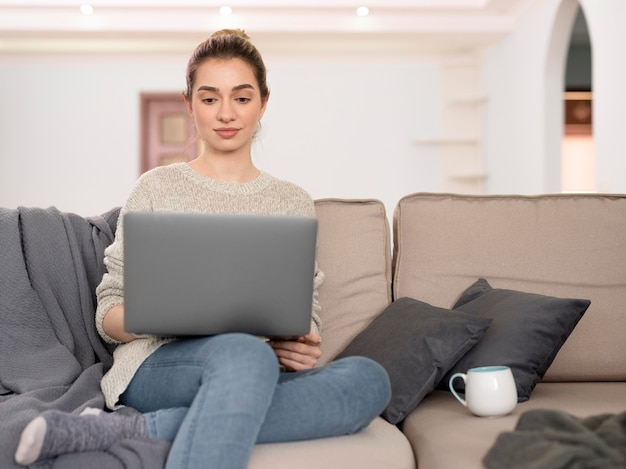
[(417, 344), (527, 332)]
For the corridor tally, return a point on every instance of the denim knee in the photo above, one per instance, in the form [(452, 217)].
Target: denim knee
[(243, 352), (366, 373)]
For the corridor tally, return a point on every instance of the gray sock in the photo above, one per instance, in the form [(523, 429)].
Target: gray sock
[(54, 433)]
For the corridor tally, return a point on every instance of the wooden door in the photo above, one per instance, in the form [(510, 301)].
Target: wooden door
[(167, 130)]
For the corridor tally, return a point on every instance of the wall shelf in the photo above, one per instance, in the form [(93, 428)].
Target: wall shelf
[(447, 141), (469, 177), (467, 101)]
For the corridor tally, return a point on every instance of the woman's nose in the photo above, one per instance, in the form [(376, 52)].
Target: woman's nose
[(225, 113)]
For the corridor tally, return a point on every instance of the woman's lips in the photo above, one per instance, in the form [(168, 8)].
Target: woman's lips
[(226, 133)]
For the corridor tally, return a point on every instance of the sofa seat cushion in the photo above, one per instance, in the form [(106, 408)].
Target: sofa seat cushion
[(444, 434), (378, 446)]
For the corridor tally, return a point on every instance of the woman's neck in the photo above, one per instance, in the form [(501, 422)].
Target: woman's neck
[(225, 169)]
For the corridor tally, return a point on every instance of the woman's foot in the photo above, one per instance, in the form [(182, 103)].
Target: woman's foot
[(54, 433)]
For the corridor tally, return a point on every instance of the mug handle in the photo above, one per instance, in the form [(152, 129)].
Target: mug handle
[(451, 385)]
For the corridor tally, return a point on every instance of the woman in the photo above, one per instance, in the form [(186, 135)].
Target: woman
[(215, 397)]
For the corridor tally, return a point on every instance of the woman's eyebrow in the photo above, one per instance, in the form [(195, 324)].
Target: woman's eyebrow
[(243, 87), (208, 88), (214, 89)]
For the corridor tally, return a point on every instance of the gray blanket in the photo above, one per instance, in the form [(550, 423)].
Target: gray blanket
[(50, 354), (551, 439)]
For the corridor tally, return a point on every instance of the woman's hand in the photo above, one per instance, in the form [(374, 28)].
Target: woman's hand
[(113, 325), (298, 354)]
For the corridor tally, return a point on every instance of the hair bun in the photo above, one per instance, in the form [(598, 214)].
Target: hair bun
[(231, 32)]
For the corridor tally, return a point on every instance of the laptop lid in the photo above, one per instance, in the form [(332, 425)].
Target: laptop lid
[(200, 274)]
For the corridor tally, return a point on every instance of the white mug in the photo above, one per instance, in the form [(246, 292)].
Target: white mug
[(489, 390)]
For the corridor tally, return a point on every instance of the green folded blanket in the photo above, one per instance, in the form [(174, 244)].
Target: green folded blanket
[(550, 439)]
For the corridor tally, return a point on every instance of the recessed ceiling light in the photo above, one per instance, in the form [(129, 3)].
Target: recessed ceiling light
[(362, 11), (226, 11), (86, 9)]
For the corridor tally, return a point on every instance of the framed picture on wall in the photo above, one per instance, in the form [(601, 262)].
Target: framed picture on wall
[(167, 130)]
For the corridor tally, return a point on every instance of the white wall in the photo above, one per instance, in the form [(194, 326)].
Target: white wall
[(342, 127), (338, 126), (606, 20), (523, 82), (69, 128), (515, 86)]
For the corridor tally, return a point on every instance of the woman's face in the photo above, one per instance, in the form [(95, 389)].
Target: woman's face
[(226, 105)]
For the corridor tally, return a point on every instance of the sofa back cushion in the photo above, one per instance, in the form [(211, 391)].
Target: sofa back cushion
[(565, 245), (354, 254)]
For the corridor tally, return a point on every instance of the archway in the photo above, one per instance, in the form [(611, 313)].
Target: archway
[(578, 170), (553, 98)]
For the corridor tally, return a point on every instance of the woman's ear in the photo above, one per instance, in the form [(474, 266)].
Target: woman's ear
[(188, 104), (263, 106)]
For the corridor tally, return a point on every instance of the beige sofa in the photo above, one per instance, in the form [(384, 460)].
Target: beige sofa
[(566, 246), (548, 249)]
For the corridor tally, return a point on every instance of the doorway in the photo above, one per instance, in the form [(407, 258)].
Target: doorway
[(167, 130), (578, 166)]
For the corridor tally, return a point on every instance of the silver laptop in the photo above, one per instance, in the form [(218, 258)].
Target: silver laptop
[(199, 274)]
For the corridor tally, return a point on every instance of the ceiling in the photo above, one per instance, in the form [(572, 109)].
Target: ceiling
[(425, 26)]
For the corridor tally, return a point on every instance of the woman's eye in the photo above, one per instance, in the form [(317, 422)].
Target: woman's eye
[(208, 100), (243, 100)]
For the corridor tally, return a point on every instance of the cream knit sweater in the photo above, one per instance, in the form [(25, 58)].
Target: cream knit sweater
[(179, 188)]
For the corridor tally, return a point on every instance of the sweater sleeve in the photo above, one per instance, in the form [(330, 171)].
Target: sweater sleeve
[(110, 291), (308, 209), (316, 320)]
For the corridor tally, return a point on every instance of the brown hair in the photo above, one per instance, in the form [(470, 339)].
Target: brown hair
[(228, 44)]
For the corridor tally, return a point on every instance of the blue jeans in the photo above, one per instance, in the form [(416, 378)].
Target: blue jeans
[(216, 397)]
